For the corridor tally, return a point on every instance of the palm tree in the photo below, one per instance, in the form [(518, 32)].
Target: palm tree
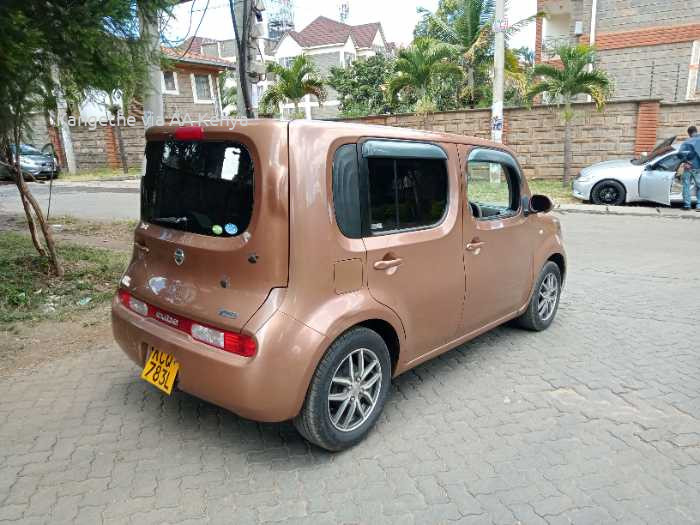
[(293, 83), (576, 76), (420, 63), (468, 26), (228, 93)]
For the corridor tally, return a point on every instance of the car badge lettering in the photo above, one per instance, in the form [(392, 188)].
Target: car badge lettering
[(179, 256), (169, 319), (228, 313)]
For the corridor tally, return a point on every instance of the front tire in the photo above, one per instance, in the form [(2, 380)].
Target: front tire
[(544, 301), (347, 392), (608, 192)]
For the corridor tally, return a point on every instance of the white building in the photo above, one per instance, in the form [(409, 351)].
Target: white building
[(329, 43)]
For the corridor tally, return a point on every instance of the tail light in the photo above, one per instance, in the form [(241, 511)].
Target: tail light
[(231, 342), (189, 133), (133, 304)]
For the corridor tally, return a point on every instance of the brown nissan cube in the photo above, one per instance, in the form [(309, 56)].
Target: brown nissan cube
[(290, 270)]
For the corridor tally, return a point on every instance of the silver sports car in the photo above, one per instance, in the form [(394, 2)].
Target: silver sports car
[(648, 178)]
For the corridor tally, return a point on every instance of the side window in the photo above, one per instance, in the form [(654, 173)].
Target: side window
[(406, 193), (346, 191), (669, 163), (493, 189)]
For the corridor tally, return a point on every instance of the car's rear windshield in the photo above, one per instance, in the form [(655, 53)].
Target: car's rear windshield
[(199, 187)]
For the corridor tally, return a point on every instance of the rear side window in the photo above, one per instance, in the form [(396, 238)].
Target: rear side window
[(406, 193), (346, 191), (199, 187)]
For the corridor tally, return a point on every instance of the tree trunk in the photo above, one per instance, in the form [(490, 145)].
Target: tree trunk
[(30, 204), (120, 145)]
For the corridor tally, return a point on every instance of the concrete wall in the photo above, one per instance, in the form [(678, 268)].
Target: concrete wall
[(659, 71), (38, 134), (537, 135), (325, 61), (625, 15), (674, 119), (98, 149)]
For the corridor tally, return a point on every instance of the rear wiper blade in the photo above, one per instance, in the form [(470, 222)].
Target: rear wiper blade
[(171, 220)]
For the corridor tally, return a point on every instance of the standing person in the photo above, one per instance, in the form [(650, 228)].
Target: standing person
[(690, 153)]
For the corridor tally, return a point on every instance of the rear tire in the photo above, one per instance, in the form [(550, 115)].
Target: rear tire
[(341, 405), (609, 193), (544, 301)]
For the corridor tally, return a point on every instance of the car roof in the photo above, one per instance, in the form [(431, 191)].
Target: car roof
[(339, 128)]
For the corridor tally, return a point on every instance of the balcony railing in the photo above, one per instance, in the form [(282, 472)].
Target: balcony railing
[(551, 44)]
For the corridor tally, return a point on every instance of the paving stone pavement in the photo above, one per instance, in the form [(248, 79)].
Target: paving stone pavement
[(596, 420)]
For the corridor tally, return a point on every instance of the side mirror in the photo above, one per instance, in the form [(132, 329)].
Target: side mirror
[(647, 167), (540, 204)]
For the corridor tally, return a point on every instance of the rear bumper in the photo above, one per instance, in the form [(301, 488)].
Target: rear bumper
[(270, 386)]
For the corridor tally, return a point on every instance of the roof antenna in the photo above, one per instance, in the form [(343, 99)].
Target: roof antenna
[(344, 9)]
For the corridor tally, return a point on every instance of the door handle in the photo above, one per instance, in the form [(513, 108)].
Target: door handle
[(142, 247), (385, 265), (475, 245)]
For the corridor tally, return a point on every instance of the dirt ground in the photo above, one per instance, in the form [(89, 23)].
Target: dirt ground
[(111, 235), (26, 344)]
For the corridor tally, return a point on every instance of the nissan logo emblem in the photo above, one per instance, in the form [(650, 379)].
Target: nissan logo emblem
[(179, 256)]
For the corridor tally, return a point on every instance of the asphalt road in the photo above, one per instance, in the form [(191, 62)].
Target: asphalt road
[(596, 420), (105, 201)]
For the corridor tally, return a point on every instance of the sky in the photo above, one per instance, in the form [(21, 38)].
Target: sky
[(398, 17)]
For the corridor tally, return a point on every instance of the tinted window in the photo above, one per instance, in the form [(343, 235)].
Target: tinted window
[(494, 188), (199, 187), (406, 193), (346, 192)]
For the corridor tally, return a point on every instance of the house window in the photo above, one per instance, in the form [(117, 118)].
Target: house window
[(349, 59), (202, 89), (286, 61), (170, 86)]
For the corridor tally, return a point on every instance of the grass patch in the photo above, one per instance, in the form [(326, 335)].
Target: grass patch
[(102, 174), (27, 292), (70, 224), (554, 190), (481, 190)]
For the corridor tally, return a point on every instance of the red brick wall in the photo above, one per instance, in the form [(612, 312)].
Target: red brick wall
[(647, 126), (648, 36)]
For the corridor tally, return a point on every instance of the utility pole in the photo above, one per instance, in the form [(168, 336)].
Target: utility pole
[(242, 12), (153, 98), (499, 26)]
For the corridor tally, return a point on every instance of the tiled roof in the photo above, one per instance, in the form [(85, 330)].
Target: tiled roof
[(196, 44), (324, 32), (195, 58), (364, 34)]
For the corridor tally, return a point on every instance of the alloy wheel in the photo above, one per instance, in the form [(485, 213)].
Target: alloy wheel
[(354, 389), (608, 194), (548, 296)]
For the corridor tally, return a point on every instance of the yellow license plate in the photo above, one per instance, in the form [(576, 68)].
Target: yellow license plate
[(160, 370)]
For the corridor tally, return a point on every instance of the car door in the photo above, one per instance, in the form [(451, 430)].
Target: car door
[(412, 234), (498, 238), (657, 180)]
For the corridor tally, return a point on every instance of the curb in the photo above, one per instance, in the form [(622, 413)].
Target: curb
[(659, 213), (110, 179)]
